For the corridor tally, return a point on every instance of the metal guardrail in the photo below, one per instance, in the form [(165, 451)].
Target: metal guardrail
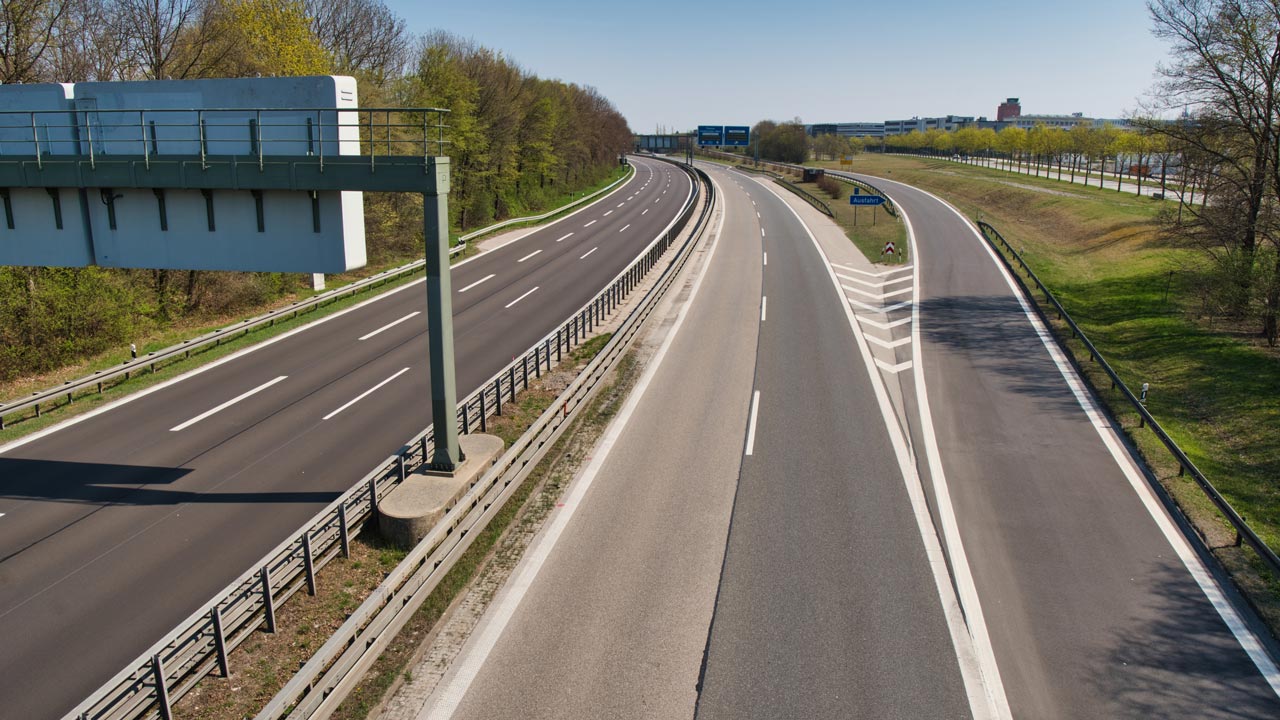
[(791, 167), (174, 665), (1185, 465), (327, 678), (95, 382), (813, 200)]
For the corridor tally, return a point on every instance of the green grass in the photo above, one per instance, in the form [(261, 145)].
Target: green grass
[(1132, 292)]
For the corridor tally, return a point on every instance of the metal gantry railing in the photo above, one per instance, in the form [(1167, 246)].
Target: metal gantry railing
[(202, 643)]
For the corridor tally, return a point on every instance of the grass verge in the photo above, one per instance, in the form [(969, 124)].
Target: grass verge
[(1132, 291)]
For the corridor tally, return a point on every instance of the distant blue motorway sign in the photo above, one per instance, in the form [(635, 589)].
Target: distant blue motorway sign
[(737, 135), (866, 200), (711, 135)]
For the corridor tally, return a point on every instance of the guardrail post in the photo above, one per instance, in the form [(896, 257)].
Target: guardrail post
[(162, 691), (268, 604), (373, 497), (497, 396), (466, 420), (484, 422), (220, 642), (576, 321), (400, 467), (423, 441), (344, 535), (537, 361), (308, 561), (558, 344), (524, 365), (511, 381)]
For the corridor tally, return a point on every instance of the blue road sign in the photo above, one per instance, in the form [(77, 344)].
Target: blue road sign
[(737, 135), (866, 200), (711, 135)]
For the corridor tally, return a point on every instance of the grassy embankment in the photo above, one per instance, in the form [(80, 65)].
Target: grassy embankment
[(173, 334), (1132, 292), (868, 229)]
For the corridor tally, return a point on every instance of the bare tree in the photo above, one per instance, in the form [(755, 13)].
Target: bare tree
[(171, 38), (91, 44), (27, 30), (1225, 77), (363, 36)]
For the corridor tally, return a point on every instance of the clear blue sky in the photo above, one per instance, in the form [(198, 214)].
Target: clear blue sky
[(681, 64)]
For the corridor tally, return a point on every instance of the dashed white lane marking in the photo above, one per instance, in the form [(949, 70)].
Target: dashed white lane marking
[(593, 222), (607, 214), (566, 237), (1, 514), (624, 202), (486, 277), (887, 344), (227, 404), (766, 258), (391, 324), (764, 307), (645, 211), (757, 214), (513, 302), (659, 199), (624, 227), (472, 658), (751, 424), (584, 257), (883, 326), (365, 394), (761, 232), (876, 309), (526, 257), (895, 369)]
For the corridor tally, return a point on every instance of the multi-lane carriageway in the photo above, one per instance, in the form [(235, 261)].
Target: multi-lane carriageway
[(117, 527), (880, 493), (839, 490)]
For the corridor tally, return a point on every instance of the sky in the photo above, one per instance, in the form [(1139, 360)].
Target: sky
[(675, 65)]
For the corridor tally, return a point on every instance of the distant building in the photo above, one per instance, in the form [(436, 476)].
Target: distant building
[(850, 129), (1061, 122), (948, 123), (1008, 110)]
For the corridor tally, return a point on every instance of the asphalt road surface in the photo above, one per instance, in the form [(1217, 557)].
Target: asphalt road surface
[(116, 528), (1085, 580), (733, 556)]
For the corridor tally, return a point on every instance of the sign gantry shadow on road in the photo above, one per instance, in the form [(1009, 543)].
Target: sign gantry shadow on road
[(144, 175)]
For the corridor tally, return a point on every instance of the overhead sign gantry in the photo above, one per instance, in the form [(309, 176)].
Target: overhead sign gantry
[(249, 174)]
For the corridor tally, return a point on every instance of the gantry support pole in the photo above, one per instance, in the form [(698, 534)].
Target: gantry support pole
[(444, 393)]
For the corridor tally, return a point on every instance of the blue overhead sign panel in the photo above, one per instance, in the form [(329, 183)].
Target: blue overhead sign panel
[(711, 135), (737, 135), (866, 200)]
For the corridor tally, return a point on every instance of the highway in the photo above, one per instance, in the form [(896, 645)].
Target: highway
[(746, 548), (1016, 564), (115, 527), (1096, 603)]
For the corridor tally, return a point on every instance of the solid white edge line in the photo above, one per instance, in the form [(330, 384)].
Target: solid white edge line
[(69, 422), (513, 302), (365, 394), (751, 424), (213, 411), (391, 324), (526, 257), (584, 257), (473, 655), (1208, 584), (983, 702), (764, 305), (490, 276)]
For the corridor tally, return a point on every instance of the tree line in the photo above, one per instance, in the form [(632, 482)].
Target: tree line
[(517, 142)]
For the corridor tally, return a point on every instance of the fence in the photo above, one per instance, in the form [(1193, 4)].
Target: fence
[(175, 664), (809, 198), (1243, 531), (100, 379), (791, 167)]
